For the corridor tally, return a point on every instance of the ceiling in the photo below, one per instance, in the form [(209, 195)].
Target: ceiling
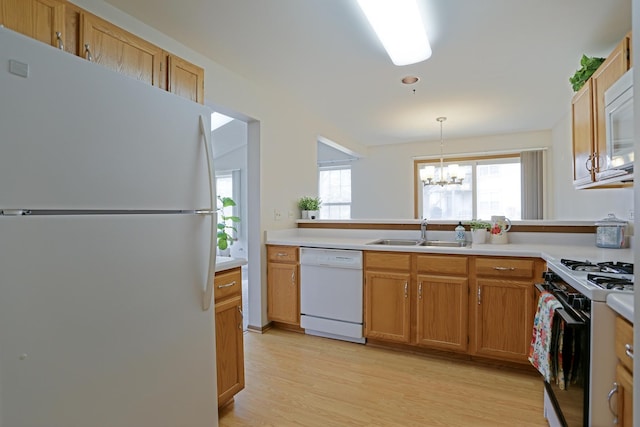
[(498, 66)]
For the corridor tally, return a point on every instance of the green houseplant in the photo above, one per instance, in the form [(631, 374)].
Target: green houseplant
[(224, 238), (478, 224), (479, 230), (589, 64), (309, 204)]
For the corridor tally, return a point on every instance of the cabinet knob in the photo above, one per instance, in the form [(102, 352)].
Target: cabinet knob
[(59, 40), (87, 51), (628, 350)]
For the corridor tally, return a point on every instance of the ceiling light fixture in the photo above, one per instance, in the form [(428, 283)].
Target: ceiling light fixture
[(428, 173), (399, 27)]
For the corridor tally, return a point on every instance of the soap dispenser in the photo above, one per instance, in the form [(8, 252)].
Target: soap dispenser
[(460, 232)]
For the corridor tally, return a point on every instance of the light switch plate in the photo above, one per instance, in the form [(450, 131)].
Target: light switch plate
[(18, 68)]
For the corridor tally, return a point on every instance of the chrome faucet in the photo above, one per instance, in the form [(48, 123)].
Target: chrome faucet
[(423, 229)]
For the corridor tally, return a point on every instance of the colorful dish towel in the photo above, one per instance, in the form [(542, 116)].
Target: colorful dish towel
[(540, 352)]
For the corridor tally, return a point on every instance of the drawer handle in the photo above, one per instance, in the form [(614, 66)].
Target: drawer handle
[(628, 350), (613, 391), (504, 268), (281, 254), (227, 285)]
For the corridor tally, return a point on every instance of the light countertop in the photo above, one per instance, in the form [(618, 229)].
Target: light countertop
[(621, 304), (227, 263)]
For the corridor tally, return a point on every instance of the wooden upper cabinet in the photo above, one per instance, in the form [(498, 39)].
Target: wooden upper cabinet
[(119, 50), (583, 136), (185, 79), (616, 64), (42, 20)]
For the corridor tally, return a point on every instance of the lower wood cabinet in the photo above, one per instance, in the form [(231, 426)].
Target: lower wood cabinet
[(477, 305), (624, 372), (442, 302), (229, 334), (428, 308), (283, 285), (387, 306), (503, 307)]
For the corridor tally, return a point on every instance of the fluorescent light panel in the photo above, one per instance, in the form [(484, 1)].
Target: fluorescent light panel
[(399, 27)]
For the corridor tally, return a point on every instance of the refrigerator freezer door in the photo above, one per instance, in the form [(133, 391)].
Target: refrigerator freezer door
[(101, 322), (76, 135)]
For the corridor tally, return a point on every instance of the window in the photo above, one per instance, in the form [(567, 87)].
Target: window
[(335, 192), (490, 186)]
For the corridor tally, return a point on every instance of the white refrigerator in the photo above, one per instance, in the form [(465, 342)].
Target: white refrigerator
[(107, 252)]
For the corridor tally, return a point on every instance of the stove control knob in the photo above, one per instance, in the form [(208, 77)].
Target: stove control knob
[(549, 276)]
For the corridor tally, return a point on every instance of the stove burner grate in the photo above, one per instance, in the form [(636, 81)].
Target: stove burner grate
[(607, 282), (602, 267)]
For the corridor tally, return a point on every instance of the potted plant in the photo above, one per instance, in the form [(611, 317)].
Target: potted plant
[(589, 64), (224, 238), (314, 207), (479, 230), (303, 204)]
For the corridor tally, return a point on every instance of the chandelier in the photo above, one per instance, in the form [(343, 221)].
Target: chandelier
[(427, 174)]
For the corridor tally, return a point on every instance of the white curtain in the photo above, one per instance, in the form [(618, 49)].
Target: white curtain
[(532, 168)]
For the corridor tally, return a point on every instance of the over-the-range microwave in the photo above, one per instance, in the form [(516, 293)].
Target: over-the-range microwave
[(618, 101)]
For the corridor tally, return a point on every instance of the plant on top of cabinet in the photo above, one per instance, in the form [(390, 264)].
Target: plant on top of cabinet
[(589, 64)]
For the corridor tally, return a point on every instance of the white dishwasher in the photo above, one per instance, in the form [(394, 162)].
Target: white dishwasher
[(331, 293)]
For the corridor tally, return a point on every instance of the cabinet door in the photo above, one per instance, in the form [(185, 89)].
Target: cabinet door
[(503, 319), (442, 312), (387, 306), (185, 79), (583, 145), (616, 64), (229, 348), (40, 19), (283, 296), (120, 50)]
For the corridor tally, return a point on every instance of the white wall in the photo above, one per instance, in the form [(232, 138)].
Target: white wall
[(382, 183)]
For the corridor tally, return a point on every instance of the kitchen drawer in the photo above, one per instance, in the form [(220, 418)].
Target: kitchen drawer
[(387, 261), (282, 253), (227, 283), (505, 267), (441, 264), (624, 338)]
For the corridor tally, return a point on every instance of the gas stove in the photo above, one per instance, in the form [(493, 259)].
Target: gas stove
[(602, 267), (595, 280)]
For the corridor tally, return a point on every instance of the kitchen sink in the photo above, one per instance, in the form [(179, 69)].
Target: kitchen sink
[(397, 242), (445, 243), (420, 242)]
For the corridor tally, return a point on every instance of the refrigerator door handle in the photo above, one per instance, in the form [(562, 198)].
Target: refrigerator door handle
[(207, 291)]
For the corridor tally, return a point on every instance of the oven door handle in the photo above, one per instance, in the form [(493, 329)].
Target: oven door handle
[(568, 319)]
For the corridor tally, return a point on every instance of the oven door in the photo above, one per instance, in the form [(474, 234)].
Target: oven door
[(569, 391)]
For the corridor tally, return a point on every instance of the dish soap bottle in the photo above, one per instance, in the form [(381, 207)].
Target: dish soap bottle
[(460, 233)]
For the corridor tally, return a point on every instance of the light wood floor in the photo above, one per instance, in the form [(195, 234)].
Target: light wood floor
[(300, 380)]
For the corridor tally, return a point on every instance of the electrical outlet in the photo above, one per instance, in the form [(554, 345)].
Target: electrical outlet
[(631, 214), (290, 214), (277, 215)]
